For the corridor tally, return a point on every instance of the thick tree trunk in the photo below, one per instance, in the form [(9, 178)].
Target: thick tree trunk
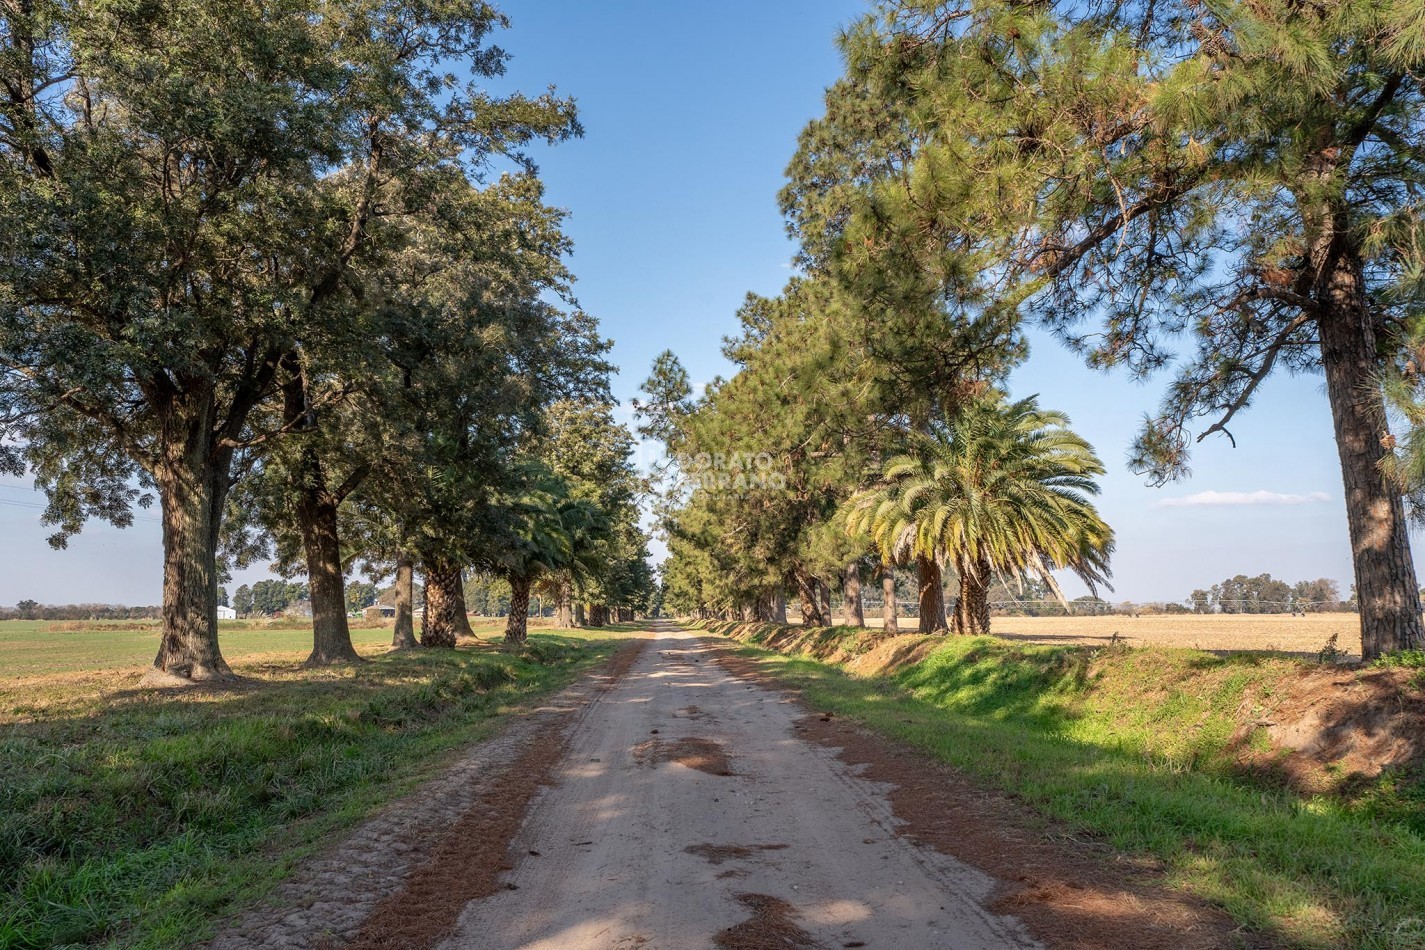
[(316, 514), (779, 606), (772, 607), (580, 615), (806, 604), (331, 636), (932, 596), (972, 607), (461, 617), (1386, 584), (404, 636), (851, 595), (192, 481), (517, 623), (808, 596), (823, 602), (438, 624), (890, 610), (564, 609)]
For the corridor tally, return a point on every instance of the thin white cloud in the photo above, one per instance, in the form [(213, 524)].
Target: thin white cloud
[(1223, 499)]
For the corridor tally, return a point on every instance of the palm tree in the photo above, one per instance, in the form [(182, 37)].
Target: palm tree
[(1004, 489), (548, 532)]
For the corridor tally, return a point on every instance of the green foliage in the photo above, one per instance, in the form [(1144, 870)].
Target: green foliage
[(487, 594), (584, 447), (1406, 659), (360, 595), (324, 290), (1265, 594), (1228, 190), (243, 600), (1166, 126), (271, 597), (1003, 489)]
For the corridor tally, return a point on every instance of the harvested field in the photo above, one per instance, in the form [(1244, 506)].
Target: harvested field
[(1275, 633)]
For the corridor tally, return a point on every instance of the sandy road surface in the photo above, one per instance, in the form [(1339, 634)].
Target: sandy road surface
[(645, 841)]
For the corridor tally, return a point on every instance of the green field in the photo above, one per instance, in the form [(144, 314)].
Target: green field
[(38, 647), (138, 818)]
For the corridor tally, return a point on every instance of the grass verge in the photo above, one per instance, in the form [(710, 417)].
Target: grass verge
[(136, 819), (1136, 747)]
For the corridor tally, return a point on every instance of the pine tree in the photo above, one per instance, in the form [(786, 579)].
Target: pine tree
[(1239, 174)]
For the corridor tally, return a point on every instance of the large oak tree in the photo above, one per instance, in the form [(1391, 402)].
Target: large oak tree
[(184, 191)]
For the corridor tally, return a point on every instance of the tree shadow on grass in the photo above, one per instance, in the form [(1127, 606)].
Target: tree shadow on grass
[(1317, 871), (982, 677)]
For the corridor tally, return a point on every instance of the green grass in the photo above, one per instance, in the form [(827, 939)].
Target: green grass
[(1133, 746), (33, 648), (135, 819)]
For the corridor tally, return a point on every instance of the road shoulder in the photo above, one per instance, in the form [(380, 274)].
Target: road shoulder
[(1069, 891), (372, 887)]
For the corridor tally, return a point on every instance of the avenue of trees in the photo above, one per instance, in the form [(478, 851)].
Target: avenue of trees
[(1216, 191), (285, 271)]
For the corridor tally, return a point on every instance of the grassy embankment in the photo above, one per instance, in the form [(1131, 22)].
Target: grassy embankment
[(133, 818), (1155, 751)]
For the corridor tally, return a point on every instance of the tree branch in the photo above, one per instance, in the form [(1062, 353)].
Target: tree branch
[(1255, 379)]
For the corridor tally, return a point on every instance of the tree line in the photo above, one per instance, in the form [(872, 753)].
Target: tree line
[(287, 272), (1217, 192), (1265, 594), (34, 610)]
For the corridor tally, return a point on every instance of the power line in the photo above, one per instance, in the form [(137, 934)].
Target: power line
[(39, 506)]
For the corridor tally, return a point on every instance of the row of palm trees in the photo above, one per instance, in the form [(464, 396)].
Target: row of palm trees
[(557, 541), (1002, 489)]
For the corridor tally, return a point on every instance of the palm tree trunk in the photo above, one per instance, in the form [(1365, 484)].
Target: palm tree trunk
[(438, 624), (517, 623), (972, 608), (932, 596)]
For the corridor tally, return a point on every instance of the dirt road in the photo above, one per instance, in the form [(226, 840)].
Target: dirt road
[(686, 814)]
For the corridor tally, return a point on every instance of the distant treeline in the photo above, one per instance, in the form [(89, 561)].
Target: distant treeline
[(32, 610), (1265, 594)]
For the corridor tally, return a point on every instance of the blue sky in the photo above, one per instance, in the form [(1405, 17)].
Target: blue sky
[(691, 112)]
